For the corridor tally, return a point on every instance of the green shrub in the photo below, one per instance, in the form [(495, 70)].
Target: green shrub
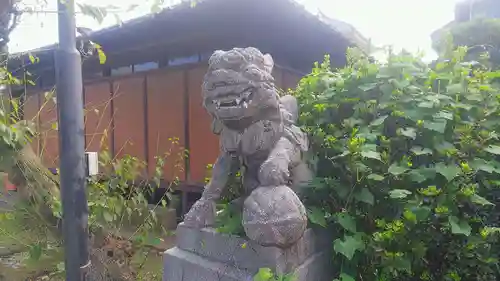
[(407, 165), (481, 35)]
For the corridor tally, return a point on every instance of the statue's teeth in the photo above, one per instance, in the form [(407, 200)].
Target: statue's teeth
[(238, 101), (245, 105)]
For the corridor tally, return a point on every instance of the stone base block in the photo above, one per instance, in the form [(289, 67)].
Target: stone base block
[(205, 255), (180, 265)]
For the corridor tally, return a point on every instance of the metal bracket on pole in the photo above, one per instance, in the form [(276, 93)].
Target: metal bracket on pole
[(85, 269)]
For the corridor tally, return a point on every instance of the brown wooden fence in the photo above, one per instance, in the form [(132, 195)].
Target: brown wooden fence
[(140, 115)]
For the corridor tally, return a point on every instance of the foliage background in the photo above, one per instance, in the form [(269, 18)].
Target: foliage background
[(407, 166), (480, 35)]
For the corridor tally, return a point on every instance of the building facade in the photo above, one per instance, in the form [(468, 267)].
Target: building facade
[(145, 101)]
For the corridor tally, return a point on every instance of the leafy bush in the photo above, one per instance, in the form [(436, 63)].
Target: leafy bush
[(480, 35), (407, 166), (229, 213), (234, 186), (120, 196)]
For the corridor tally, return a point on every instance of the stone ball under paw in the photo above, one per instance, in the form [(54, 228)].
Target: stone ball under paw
[(274, 216)]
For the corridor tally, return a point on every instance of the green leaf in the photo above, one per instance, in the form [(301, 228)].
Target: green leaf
[(361, 167), (379, 121), (491, 230), (414, 115), (401, 84), (107, 216), (61, 267), (344, 277), (464, 106), (417, 176), (375, 177), (421, 213), (33, 59), (371, 154), (364, 133), (316, 216), (438, 126), (493, 149), (455, 89), (444, 146), (444, 115), (397, 170), (352, 122), (101, 55), (386, 89), (368, 146), (459, 227), (141, 239), (476, 199), (483, 165), (474, 97), (399, 193), (343, 191), (35, 252), (368, 86), (420, 150), (264, 274), (155, 241), (364, 195), (426, 104), (448, 171), (402, 264), (409, 132), (343, 154), (346, 221), (348, 246)]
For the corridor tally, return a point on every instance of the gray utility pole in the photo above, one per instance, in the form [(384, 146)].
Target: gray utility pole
[(71, 145)]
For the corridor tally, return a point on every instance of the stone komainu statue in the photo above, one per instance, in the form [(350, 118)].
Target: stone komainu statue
[(257, 133)]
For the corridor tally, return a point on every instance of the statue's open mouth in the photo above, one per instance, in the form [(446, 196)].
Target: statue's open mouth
[(241, 100)]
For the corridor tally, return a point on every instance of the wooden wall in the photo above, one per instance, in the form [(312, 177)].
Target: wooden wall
[(148, 114)]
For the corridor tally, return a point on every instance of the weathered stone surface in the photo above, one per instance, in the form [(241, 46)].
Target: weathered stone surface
[(257, 128), (249, 255), (181, 265), (274, 216), (317, 268), (201, 214)]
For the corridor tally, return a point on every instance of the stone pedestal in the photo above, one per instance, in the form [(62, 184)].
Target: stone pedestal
[(205, 255)]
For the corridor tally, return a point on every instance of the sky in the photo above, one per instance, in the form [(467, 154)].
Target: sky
[(401, 23)]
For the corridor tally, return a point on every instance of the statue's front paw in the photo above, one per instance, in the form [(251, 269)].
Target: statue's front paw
[(274, 172), (202, 214)]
